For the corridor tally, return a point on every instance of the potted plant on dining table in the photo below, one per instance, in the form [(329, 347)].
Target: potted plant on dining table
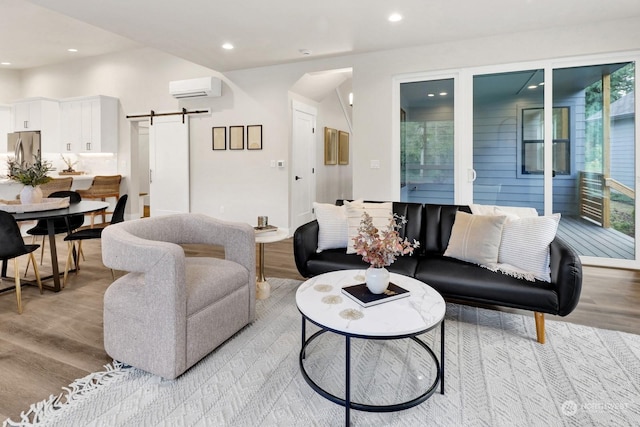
[(380, 248), (32, 176)]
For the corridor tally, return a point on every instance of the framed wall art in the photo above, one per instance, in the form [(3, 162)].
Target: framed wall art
[(236, 137), (219, 138), (343, 147), (254, 137), (330, 146)]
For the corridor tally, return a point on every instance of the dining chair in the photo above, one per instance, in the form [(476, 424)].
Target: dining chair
[(12, 246), (89, 234), (102, 187), (60, 225), (56, 184)]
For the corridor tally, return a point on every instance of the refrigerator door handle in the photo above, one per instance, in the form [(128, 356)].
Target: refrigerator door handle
[(19, 153)]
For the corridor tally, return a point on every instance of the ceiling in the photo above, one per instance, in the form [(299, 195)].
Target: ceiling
[(271, 32), (31, 36)]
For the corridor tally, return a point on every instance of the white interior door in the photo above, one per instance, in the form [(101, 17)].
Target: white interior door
[(303, 171), (169, 165)]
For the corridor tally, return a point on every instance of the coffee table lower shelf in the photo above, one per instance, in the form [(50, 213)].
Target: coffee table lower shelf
[(346, 402)]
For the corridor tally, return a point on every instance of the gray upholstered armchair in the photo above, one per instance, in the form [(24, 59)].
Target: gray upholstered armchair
[(170, 311)]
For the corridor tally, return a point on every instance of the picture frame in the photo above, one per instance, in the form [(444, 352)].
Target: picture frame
[(236, 137), (343, 147), (219, 138), (254, 137), (330, 146)]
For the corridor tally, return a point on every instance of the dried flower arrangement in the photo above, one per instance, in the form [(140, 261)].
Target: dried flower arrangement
[(381, 247)]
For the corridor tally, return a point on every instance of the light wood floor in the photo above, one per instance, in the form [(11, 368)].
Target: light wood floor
[(58, 338)]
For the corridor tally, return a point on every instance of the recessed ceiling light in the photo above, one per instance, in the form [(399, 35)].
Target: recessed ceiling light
[(72, 50), (431, 94), (227, 46), (532, 87), (5, 63), (541, 84), (395, 17), (443, 93)]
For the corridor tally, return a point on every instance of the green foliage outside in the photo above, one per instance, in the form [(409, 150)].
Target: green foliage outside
[(623, 214), (426, 151), (622, 83)]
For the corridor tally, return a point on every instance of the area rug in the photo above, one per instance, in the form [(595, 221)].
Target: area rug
[(496, 375)]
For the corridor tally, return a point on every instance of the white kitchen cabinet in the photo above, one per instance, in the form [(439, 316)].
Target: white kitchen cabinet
[(39, 114), (89, 125)]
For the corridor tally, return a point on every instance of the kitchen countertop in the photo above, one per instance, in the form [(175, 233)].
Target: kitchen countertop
[(10, 189)]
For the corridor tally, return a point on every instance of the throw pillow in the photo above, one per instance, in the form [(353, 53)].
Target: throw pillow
[(332, 224), (525, 245), (381, 213), (501, 210), (475, 238)]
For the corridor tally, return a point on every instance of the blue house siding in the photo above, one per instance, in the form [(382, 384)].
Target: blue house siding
[(622, 151), (497, 157)]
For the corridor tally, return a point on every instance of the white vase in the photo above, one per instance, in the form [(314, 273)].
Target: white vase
[(377, 279), (30, 195)]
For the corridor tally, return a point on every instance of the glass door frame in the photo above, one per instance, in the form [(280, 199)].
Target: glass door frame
[(463, 130), (396, 125)]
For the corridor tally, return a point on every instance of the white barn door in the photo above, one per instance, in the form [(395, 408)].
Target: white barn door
[(169, 165)]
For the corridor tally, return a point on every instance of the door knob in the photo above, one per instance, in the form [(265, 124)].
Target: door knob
[(298, 177)]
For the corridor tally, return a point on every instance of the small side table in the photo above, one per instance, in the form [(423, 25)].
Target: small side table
[(263, 289)]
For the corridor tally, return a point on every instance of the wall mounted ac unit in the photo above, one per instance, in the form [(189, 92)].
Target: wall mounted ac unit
[(193, 88)]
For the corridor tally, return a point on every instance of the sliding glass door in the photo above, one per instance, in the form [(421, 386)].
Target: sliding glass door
[(427, 141), (595, 187), (559, 137), (591, 144), (508, 139)]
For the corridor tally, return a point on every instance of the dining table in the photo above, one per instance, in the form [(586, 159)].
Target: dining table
[(82, 207)]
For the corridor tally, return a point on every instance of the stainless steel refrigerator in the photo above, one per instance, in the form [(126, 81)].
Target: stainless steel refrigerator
[(24, 146)]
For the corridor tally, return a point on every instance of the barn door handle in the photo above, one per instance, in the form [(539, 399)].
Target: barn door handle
[(298, 177)]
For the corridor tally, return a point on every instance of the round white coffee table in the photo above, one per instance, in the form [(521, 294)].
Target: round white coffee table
[(263, 288), (320, 300)]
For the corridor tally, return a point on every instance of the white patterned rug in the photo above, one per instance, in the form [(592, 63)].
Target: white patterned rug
[(496, 375)]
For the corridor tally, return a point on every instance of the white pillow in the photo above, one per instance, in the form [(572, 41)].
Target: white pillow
[(475, 238), (332, 223), (501, 210), (525, 244), (518, 211), (381, 213)]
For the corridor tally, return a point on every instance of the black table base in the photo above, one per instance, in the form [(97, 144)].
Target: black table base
[(346, 402)]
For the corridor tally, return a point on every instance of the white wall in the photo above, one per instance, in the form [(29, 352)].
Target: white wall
[(333, 181), (372, 86), (233, 185), (10, 86), (241, 183)]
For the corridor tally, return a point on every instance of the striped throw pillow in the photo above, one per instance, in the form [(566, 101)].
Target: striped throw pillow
[(525, 244), (332, 224)]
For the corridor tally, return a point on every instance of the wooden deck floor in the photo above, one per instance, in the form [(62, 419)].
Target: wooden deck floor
[(589, 239)]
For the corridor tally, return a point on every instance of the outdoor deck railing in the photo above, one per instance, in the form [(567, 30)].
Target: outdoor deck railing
[(595, 196)]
